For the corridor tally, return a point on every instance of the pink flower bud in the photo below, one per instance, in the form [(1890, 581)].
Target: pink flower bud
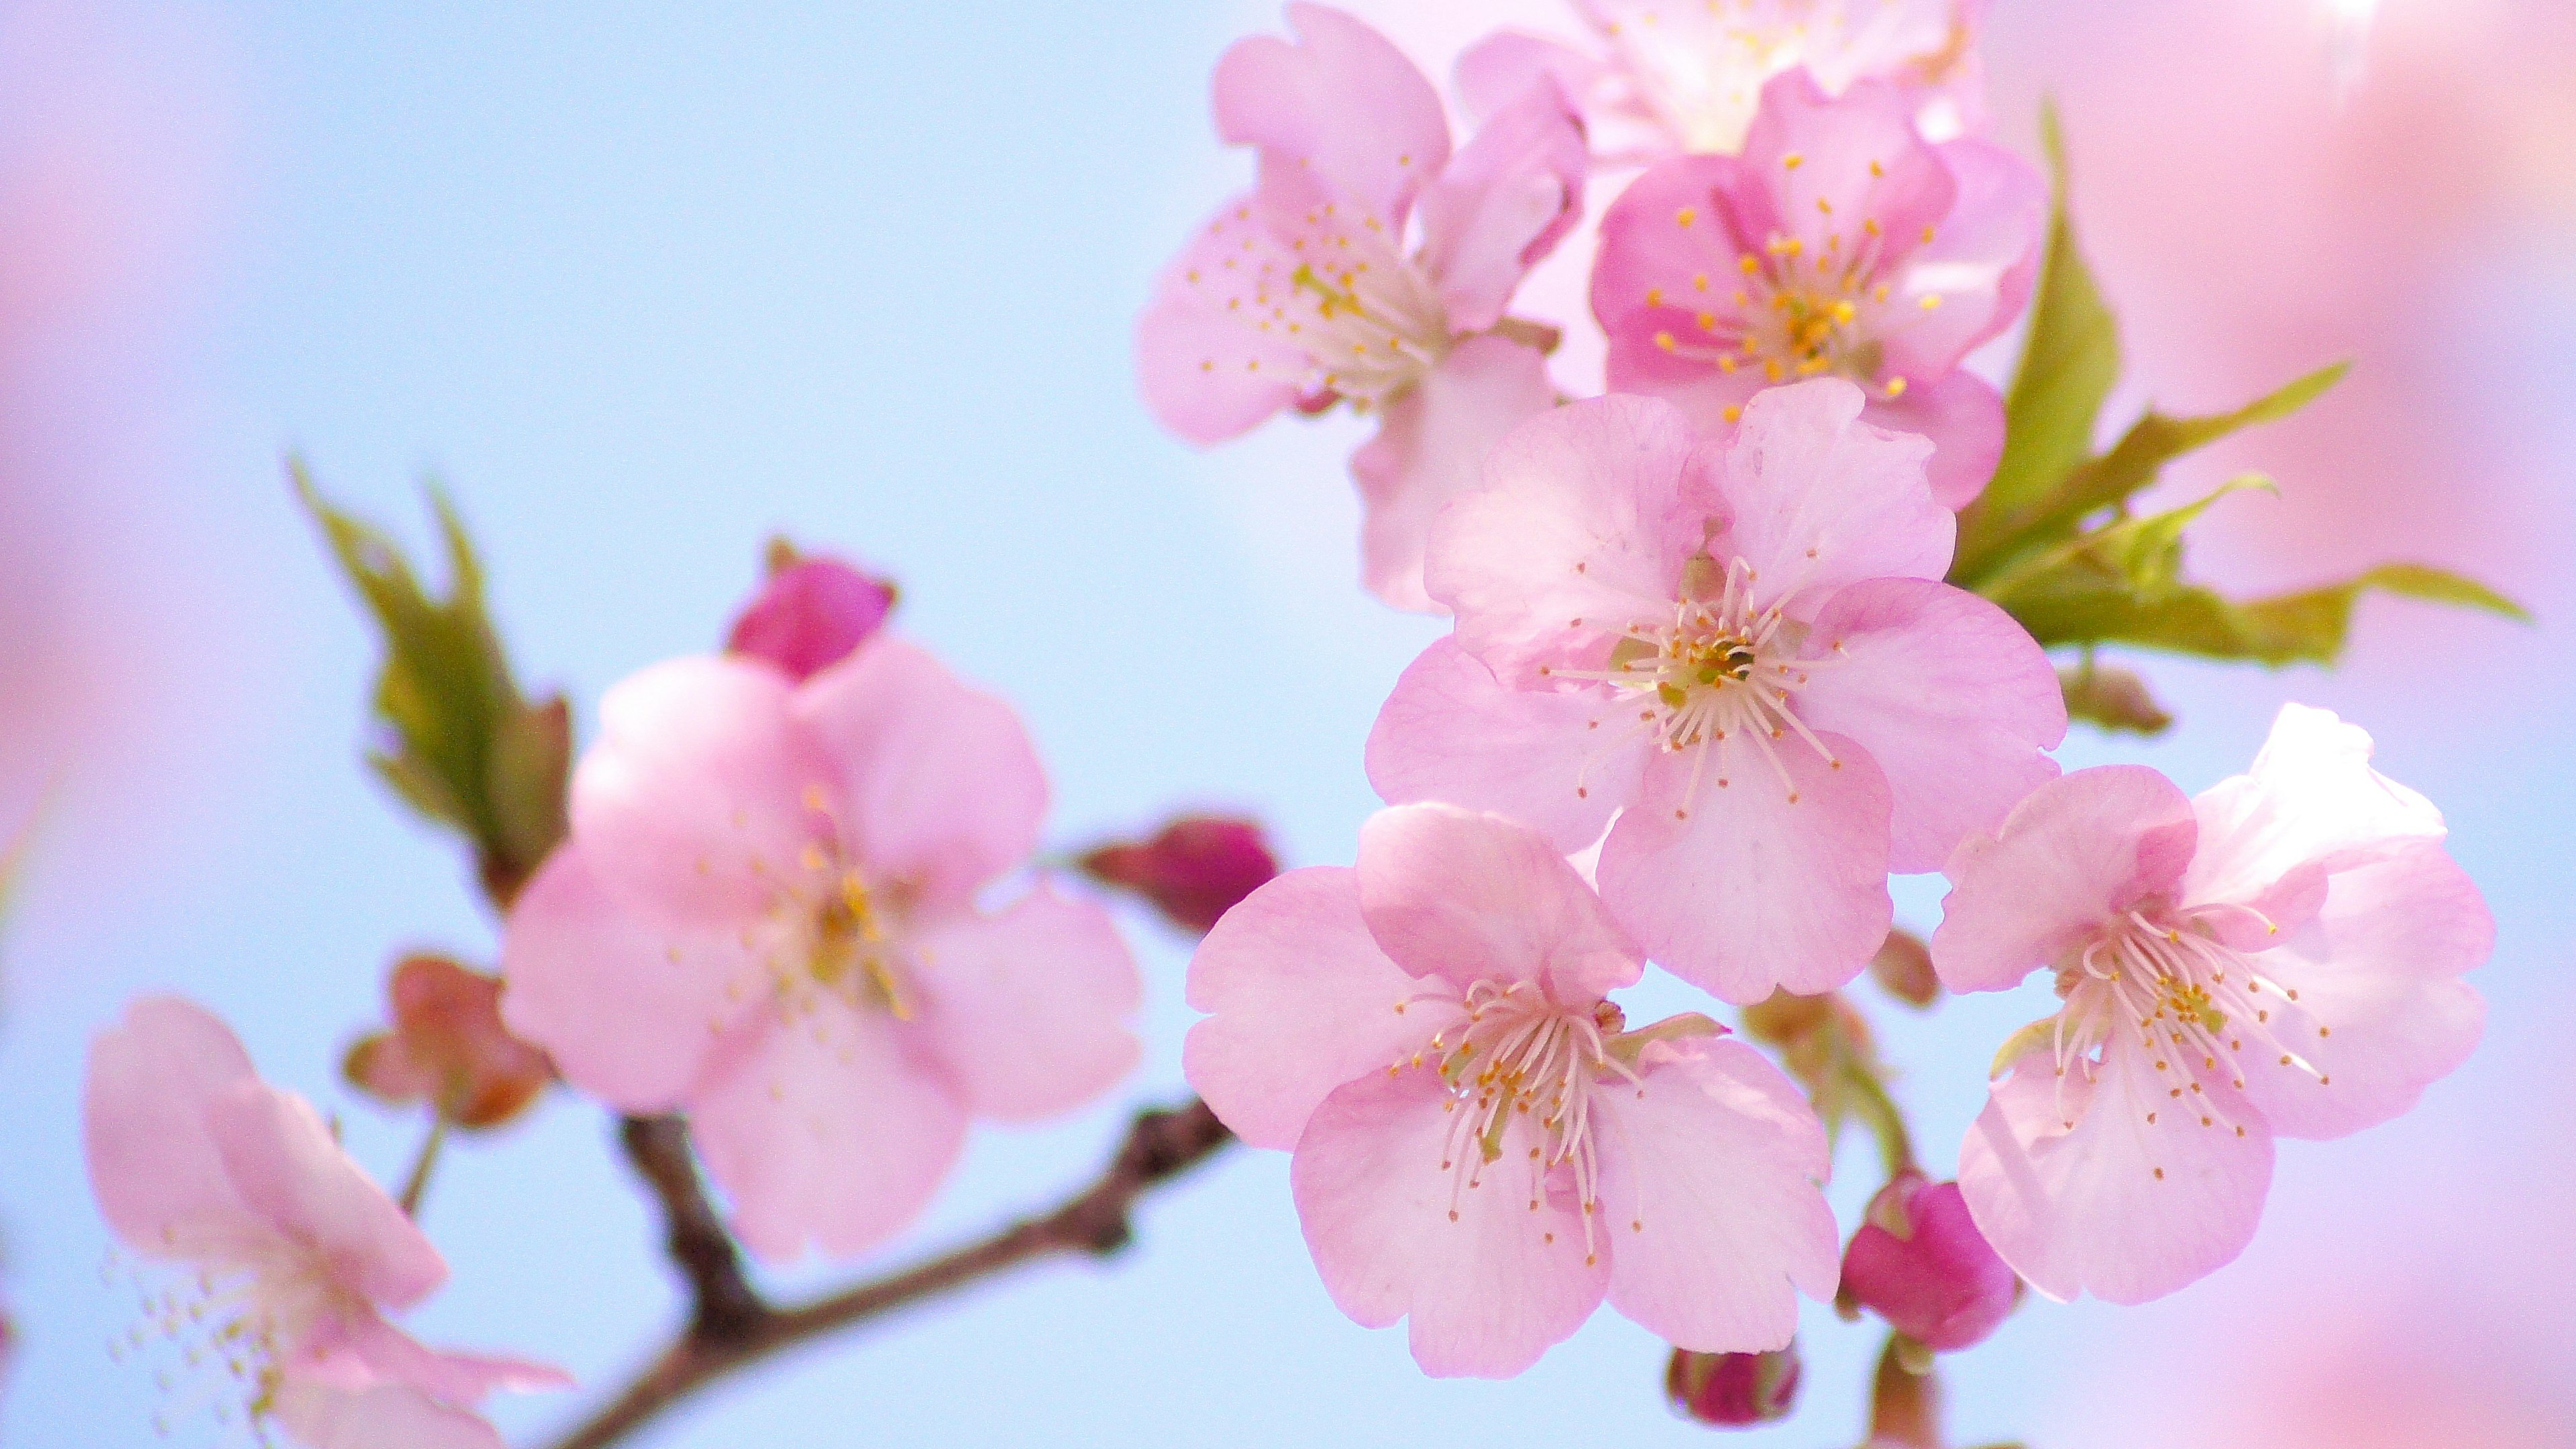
[(1733, 1390), (1920, 1263), (810, 614), (1193, 870)]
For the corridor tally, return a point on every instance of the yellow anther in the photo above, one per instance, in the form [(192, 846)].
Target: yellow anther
[(1686, 215)]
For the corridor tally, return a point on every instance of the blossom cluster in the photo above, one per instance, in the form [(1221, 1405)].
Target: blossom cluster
[(1715, 669)]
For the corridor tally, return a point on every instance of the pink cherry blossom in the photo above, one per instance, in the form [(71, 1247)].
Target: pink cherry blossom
[(291, 1254), (1368, 264), (1661, 78), (1841, 242), (2279, 957), (810, 614), (769, 915), (1481, 1144), (1743, 650)]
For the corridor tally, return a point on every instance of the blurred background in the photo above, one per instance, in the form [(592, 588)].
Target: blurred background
[(644, 284)]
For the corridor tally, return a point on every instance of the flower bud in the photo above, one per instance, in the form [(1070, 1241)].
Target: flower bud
[(1919, 1262), (1193, 870), (448, 1047), (1903, 968), (1733, 1390), (810, 614)]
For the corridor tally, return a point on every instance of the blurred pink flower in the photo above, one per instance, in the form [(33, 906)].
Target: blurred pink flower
[(1661, 79), (1643, 617), (1919, 1262), (1479, 1142), (1840, 242), (294, 1252), (1194, 870), (767, 916), (809, 615), (1303, 290), (2279, 956)]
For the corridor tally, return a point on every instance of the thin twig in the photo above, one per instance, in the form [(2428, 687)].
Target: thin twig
[(1161, 1145), (723, 1306), (416, 1186)]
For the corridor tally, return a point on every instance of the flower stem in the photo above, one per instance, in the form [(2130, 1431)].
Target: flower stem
[(416, 1186)]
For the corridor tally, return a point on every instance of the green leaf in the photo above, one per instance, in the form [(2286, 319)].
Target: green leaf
[(2115, 699), (2063, 595), (2067, 367), (2310, 626), (2110, 480), (461, 745)]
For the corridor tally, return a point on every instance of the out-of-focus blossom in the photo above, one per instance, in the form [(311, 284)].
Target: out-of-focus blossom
[(291, 1253), (809, 614), (1370, 264), (2280, 956), (1743, 648), (1903, 969), (448, 1047), (1665, 77), (1733, 1390), (1480, 1142), (767, 915), (1841, 242), (1919, 1262), (1194, 869)]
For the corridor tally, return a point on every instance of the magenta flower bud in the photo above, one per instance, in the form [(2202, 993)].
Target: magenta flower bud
[(1920, 1263), (1193, 869), (810, 614), (1733, 1390)]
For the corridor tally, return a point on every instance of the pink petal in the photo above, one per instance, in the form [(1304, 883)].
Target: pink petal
[(390, 1354), (1755, 890), (1819, 498), (2079, 851), (1981, 262), (935, 784), (1500, 69), (1489, 1282), (1950, 697), (1502, 205), (1681, 221), (1586, 515), (1028, 1008), (627, 1008), (381, 1416), (1451, 732), (1430, 448), (153, 1163), (2378, 969), (1300, 1000), (1340, 100), (810, 614), (1480, 898), (2310, 799), (1857, 153), (1709, 1194), (2114, 1204), (692, 791), (293, 1176), (832, 1131), (1963, 416), (1204, 367)]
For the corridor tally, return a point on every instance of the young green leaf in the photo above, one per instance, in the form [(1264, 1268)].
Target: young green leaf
[(2114, 699)]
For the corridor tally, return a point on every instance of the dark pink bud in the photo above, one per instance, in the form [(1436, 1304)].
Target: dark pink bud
[(1920, 1263), (1733, 1390), (1193, 869), (810, 614)]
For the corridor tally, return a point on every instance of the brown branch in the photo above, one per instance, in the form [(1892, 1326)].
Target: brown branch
[(723, 1306), (1160, 1146)]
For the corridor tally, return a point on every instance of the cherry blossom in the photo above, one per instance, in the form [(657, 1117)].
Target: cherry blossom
[(2278, 957), (810, 613), (1919, 1262), (287, 1254), (1369, 264), (1482, 1145), (769, 915), (1663, 77), (1743, 650), (1839, 243)]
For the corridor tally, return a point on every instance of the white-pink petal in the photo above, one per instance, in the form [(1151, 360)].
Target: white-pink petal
[(2075, 854), (1028, 1007), (1430, 449), (1553, 760), (1817, 498), (1502, 204), (1340, 100), (1474, 897), (2311, 798)]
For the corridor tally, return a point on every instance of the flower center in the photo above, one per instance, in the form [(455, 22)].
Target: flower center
[(2201, 1009), (1377, 329), (1792, 315), (1521, 1056), (225, 1327), (1719, 677)]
